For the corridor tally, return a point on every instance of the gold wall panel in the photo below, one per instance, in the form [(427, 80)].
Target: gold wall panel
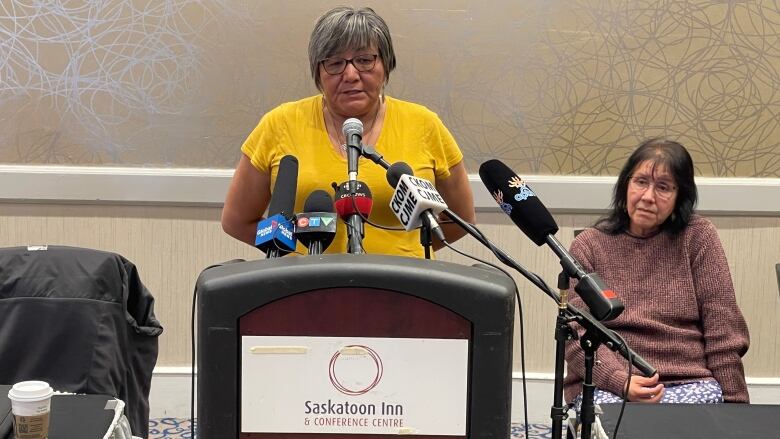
[(549, 86)]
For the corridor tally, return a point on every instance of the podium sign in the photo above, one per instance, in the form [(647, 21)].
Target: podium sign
[(354, 385)]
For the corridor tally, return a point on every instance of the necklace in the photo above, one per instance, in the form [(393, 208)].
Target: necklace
[(336, 136)]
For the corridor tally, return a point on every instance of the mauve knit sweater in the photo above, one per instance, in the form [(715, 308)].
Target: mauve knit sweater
[(681, 313)]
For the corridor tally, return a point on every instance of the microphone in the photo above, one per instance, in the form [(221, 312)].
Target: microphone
[(362, 204), (526, 210), (396, 171), (353, 133), (415, 201), (275, 233), (316, 226), (352, 205)]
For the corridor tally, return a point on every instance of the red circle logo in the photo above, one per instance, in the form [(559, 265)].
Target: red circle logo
[(362, 366)]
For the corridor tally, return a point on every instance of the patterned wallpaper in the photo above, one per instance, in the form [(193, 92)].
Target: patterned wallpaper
[(548, 86)]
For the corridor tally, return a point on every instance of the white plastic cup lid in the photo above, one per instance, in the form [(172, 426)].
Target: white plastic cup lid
[(30, 391)]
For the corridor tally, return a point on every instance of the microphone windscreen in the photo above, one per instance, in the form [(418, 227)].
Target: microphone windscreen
[(396, 171), (316, 226), (283, 195), (352, 126), (518, 201), (344, 204), (318, 201)]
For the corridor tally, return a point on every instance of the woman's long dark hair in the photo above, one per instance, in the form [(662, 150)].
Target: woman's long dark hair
[(676, 159)]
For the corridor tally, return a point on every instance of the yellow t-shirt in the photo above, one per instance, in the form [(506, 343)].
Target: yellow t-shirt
[(410, 133)]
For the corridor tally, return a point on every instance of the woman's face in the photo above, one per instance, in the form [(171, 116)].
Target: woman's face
[(353, 93), (652, 194)]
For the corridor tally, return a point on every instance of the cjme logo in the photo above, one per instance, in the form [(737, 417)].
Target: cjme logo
[(355, 370)]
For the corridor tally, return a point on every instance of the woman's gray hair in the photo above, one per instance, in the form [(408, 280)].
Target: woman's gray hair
[(345, 28)]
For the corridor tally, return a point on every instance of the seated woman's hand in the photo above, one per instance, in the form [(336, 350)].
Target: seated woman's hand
[(643, 389)]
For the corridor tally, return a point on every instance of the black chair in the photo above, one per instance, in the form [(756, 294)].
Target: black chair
[(81, 320)]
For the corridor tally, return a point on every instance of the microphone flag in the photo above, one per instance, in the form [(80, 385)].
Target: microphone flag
[(412, 197), (276, 231)]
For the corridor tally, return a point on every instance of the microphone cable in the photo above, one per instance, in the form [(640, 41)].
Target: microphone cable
[(399, 229), (192, 360), (362, 217), (625, 390), (291, 223), (520, 317), (365, 218)]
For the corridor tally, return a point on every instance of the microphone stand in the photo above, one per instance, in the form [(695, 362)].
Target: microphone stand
[(315, 247), (370, 153), (595, 335), (355, 230), (590, 342), (563, 333), (355, 233), (595, 332), (426, 237)]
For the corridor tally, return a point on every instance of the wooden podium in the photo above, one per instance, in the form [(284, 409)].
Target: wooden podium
[(367, 297)]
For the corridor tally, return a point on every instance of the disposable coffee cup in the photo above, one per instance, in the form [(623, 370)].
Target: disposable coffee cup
[(31, 406)]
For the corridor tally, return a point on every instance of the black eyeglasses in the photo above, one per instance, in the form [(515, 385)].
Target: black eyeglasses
[(336, 66)]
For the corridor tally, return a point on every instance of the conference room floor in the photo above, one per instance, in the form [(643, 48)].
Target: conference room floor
[(172, 428)]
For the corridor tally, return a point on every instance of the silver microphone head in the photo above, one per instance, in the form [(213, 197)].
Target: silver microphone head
[(352, 126)]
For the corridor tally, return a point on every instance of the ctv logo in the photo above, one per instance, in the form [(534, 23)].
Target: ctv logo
[(314, 221)]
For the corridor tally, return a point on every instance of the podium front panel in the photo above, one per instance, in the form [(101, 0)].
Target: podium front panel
[(360, 297)]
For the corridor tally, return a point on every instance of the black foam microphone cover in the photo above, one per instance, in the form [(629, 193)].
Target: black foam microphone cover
[(396, 171), (518, 201), (316, 226), (283, 195), (318, 201)]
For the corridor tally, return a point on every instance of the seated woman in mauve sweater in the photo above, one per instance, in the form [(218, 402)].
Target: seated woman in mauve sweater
[(667, 265)]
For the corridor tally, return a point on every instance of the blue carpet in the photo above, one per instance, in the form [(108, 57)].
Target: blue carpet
[(172, 428), (169, 428)]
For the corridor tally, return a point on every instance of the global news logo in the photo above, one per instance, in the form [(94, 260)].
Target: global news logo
[(268, 229)]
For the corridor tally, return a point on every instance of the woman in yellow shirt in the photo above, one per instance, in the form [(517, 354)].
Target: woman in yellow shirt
[(351, 57)]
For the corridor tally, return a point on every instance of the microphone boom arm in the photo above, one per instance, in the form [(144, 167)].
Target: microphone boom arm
[(585, 319), (370, 153)]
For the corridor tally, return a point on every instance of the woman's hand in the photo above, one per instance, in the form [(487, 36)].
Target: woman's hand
[(643, 389)]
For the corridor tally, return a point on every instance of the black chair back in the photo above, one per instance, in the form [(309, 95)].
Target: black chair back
[(81, 320)]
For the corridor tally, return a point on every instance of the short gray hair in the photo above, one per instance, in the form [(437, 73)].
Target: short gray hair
[(345, 28)]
